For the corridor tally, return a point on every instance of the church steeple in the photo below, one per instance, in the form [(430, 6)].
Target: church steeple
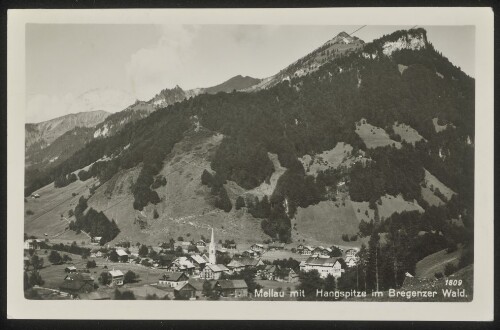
[(211, 250)]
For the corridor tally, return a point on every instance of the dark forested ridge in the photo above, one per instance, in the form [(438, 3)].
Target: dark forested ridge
[(307, 115)]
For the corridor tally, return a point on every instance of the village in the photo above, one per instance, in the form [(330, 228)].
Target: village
[(175, 270)]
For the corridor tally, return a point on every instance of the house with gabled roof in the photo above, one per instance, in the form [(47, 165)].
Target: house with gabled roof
[(172, 279), (324, 266), (182, 264), (77, 283), (269, 272), (306, 250), (70, 269), (201, 245), (198, 261), (259, 248), (122, 255), (276, 246), (250, 253), (213, 272), (239, 263), (117, 277), (292, 277), (232, 288), (185, 291)]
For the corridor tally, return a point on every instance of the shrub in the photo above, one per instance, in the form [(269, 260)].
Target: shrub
[(450, 269), (130, 277), (54, 257), (240, 202), (29, 212), (91, 264)]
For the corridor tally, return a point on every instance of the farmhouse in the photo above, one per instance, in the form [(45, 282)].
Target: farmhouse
[(116, 277), (185, 291), (96, 240), (232, 288), (305, 250), (213, 272), (122, 255), (32, 244), (231, 246), (199, 262), (34, 195), (259, 248), (77, 283), (250, 253), (351, 253), (182, 264), (269, 272), (324, 266), (292, 277), (239, 263), (198, 285), (70, 269), (173, 279), (276, 246)]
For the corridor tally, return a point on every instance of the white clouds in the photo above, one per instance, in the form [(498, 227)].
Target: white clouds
[(154, 68)]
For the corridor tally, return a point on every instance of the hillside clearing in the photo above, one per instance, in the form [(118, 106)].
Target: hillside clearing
[(325, 223), (436, 262), (47, 210), (186, 206), (333, 158), (396, 204), (433, 183), (407, 133), (374, 136), (429, 197), (440, 128)]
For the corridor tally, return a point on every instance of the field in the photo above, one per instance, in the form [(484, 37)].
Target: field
[(391, 205), (47, 210), (407, 133), (373, 136), (282, 254), (429, 197), (432, 182), (53, 275), (327, 159), (436, 262), (324, 223)]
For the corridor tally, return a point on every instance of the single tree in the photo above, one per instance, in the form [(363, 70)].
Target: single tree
[(55, 258)]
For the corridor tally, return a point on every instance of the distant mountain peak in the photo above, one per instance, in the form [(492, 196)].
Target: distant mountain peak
[(343, 34)]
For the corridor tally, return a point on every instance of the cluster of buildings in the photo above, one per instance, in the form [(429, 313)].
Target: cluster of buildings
[(319, 252), (188, 276)]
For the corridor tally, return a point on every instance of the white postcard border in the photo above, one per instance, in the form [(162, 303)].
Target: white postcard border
[(481, 308)]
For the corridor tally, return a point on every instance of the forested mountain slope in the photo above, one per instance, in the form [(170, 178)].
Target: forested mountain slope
[(308, 115)]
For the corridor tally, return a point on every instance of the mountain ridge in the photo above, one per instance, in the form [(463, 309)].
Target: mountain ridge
[(306, 114)]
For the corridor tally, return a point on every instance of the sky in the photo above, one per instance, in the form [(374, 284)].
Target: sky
[(77, 67)]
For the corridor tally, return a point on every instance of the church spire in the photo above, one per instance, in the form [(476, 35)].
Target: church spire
[(211, 250)]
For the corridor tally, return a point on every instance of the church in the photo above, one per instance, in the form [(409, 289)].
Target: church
[(212, 270)]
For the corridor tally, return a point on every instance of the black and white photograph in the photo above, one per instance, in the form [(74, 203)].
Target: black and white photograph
[(225, 163)]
